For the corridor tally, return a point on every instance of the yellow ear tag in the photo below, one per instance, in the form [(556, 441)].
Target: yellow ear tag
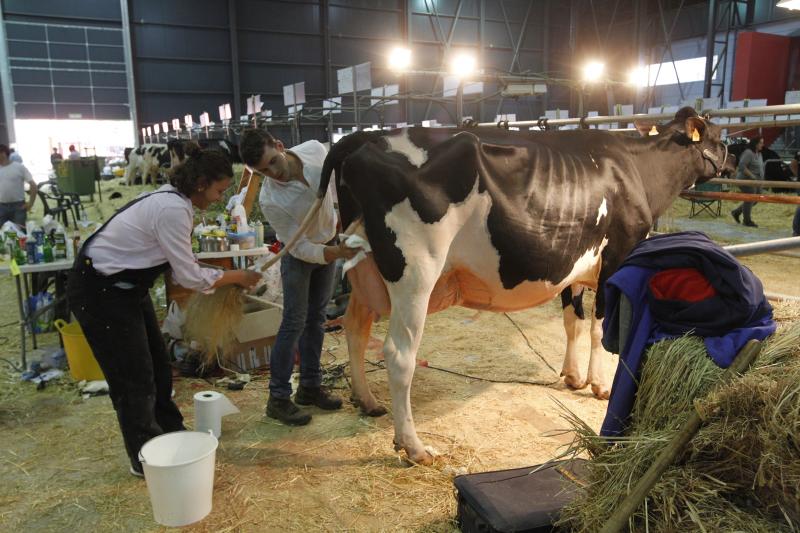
[(653, 130), (695, 136)]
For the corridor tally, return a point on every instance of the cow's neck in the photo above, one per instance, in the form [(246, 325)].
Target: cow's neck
[(666, 168)]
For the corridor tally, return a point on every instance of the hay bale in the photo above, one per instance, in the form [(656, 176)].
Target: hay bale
[(740, 473), (211, 319)]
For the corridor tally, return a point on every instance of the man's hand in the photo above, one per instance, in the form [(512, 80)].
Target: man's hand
[(332, 253)]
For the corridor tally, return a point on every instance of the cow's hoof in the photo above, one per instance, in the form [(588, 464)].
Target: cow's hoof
[(600, 392), (574, 382), (424, 457), (375, 411)]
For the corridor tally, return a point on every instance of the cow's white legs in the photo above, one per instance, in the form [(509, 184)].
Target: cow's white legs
[(598, 365), (409, 297), (357, 325), (130, 173), (571, 370)]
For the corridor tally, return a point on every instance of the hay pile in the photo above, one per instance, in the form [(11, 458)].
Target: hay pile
[(211, 319), (741, 472)]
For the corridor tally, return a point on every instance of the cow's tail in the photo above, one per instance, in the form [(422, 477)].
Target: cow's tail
[(339, 152), (333, 161)]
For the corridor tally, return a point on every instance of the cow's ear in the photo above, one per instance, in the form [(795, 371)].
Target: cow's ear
[(695, 128), (646, 128)]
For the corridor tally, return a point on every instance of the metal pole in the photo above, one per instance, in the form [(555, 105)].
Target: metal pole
[(460, 102), (355, 98), (406, 76), (234, 35), (755, 248), (711, 33), (7, 87), (128, 51)]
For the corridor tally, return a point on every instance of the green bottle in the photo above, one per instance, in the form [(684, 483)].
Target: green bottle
[(21, 255), (47, 250)]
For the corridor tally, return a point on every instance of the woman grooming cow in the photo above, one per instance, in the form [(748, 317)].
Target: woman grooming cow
[(109, 286)]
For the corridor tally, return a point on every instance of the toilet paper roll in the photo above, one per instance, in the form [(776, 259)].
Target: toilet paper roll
[(209, 408)]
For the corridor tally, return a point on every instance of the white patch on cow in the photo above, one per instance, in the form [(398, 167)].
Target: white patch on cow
[(602, 211), (462, 234), (402, 144)]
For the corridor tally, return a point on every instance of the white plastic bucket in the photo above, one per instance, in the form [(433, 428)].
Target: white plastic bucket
[(179, 470)]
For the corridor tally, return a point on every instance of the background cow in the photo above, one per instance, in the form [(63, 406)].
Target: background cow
[(499, 221), (146, 160)]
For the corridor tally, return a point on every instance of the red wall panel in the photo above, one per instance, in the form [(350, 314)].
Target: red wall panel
[(761, 70)]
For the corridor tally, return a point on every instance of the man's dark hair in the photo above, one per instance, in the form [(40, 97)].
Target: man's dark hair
[(71, 147), (251, 145), (55, 150), (4, 149)]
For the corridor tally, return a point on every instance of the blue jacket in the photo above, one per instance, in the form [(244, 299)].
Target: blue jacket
[(737, 313)]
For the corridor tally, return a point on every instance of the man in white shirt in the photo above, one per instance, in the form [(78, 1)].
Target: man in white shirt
[(289, 189), (73, 153), (13, 177)]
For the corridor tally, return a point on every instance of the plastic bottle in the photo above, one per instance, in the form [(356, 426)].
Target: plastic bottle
[(47, 251), (239, 215), (76, 243), (59, 246), (259, 229)]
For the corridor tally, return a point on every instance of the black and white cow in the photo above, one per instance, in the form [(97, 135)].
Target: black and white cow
[(498, 220), (146, 160), (149, 159)]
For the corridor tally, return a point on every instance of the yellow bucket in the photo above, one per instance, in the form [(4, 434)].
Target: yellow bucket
[(82, 364)]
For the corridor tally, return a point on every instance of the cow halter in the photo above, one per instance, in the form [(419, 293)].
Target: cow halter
[(713, 158)]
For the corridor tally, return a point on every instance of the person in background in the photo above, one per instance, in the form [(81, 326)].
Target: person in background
[(55, 158), (13, 177), (795, 166), (751, 167), (108, 290), (73, 153), (307, 271), (14, 156)]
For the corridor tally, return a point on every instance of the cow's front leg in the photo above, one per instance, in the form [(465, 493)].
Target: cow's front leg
[(598, 365), (357, 325), (573, 324)]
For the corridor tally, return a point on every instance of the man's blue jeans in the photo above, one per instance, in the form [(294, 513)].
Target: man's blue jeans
[(15, 212), (307, 288)]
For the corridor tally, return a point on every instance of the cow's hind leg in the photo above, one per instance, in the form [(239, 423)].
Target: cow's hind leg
[(357, 325), (599, 358), (409, 297), (572, 304)]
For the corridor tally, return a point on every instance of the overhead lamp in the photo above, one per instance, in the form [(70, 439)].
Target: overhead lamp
[(400, 59), (638, 77), (593, 71), (789, 4), (462, 64)]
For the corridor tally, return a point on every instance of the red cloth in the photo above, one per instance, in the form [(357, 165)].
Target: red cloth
[(685, 284)]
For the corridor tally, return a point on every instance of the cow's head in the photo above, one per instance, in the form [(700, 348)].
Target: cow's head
[(709, 156)]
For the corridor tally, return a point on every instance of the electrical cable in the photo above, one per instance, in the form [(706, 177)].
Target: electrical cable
[(534, 350)]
